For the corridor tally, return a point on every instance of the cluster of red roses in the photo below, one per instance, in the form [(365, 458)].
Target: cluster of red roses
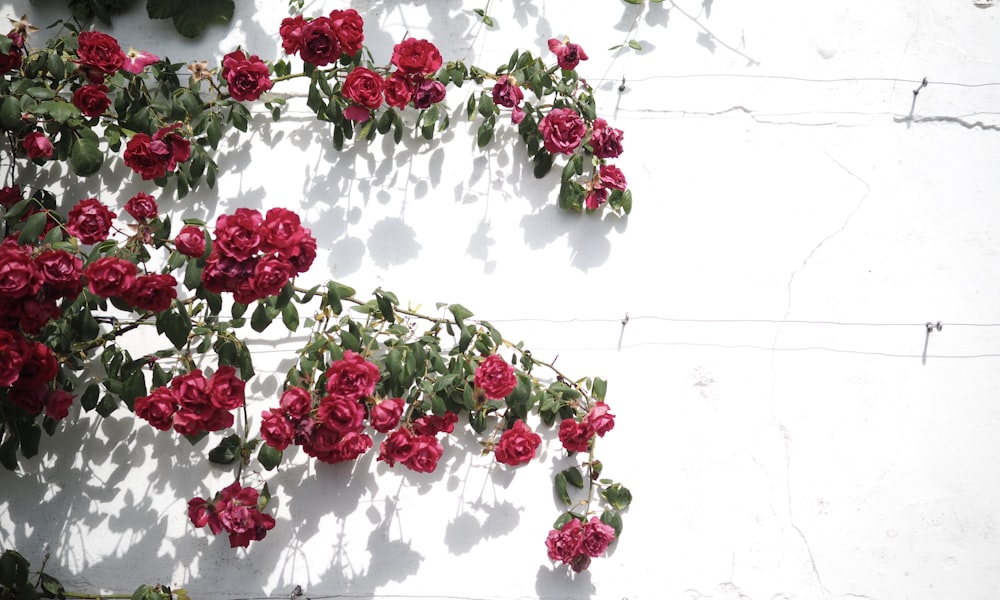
[(193, 403), (324, 40), (30, 288), (235, 510), (332, 431), (98, 56), (576, 435), (497, 380), (252, 256), (575, 543)]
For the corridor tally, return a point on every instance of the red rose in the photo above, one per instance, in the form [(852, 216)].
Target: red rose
[(575, 436), (99, 54), (248, 78), (364, 87), (57, 404), (301, 255), (319, 45), (37, 146), (142, 207), (12, 60), (29, 399), (433, 424), (605, 140), (563, 130), (191, 390), (291, 33), (297, 402), (90, 221), (351, 446), (110, 276), (92, 100), (428, 92), (34, 312), (152, 292), (190, 241), (61, 272), (343, 415), (223, 273), (413, 56), (495, 377), (146, 157), (202, 513), (612, 178), (350, 30), (398, 90), (239, 235), (599, 419), (385, 415), (517, 445), (282, 229), (506, 92), (19, 276), (567, 55), (157, 408), (426, 453), (351, 378), (239, 514), (564, 543), (180, 148), (276, 430), (225, 389), (14, 351), (10, 195), (39, 369), (397, 446), (270, 275)]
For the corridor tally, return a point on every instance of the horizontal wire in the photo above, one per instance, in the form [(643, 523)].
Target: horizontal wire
[(893, 80)]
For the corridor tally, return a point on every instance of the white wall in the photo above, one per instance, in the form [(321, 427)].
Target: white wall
[(782, 173)]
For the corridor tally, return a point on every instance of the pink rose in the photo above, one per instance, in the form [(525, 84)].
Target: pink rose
[(595, 198), (517, 445), (597, 536), (562, 130), (567, 55), (506, 92), (201, 513), (612, 178), (416, 57), (270, 275), (352, 378), (575, 436), (90, 221), (605, 140), (37, 146), (495, 377), (137, 60), (319, 44), (191, 391), (92, 100), (110, 276), (385, 414), (142, 207), (599, 419), (564, 543), (426, 453), (248, 77), (152, 292), (157, 408), (190, 241)]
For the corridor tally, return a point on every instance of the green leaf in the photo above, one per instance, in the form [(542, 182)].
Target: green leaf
[(191, 16), (560, 486), (10, 113), (261, 317), (8, 453), (564, 518), (51, 585), (573, 477), (634, 45), (600, 388), (269, 457), (13, 569), (617, 495), (89, 398), (176, 325), (33, 228), (485, 134), (543, 163), (227, 451), (263, 498), (85, 157), (290, 317), (60, 110), (30, 439)]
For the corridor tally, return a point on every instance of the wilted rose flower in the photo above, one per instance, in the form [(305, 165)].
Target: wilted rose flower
[(567, 55), (606, 140)]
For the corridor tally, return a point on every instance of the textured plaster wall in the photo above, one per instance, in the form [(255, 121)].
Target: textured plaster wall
[(786, 424)]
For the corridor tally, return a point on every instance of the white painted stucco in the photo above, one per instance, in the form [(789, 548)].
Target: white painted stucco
[(787, 426)]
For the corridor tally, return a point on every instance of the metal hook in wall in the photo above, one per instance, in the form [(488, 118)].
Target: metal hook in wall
[(931, 327)]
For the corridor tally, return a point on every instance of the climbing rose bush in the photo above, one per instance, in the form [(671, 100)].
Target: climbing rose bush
[(79, 277)]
